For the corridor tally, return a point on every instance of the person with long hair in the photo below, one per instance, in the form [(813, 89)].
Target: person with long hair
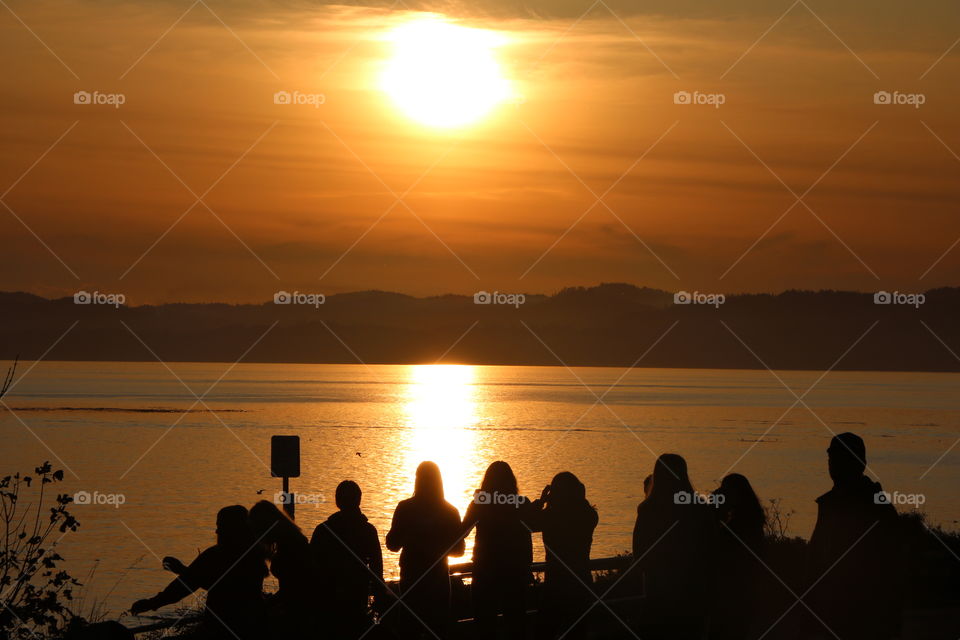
[(739, 510), (502, 551), (291, 563), (567, 521), (738, 569), (425, 530), (672, 548), (232, 572)]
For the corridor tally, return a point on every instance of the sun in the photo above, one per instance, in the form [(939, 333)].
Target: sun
[(442, 74)]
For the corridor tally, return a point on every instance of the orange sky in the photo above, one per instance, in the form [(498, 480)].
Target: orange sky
[(299, 194)]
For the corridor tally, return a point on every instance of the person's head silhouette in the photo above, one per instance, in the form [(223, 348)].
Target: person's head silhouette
[(499, 478), (566, 490), (736, 490), (738, 500), (271, 525), (233, 526), (846, 457), (670, 478), (348, 496), (429, 482)]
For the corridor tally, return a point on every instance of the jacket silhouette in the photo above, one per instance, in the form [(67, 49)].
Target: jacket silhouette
[(852, 551), (425, 530), (232, 572), (346, 551)]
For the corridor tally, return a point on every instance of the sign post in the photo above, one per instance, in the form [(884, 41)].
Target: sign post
[(285, 463)]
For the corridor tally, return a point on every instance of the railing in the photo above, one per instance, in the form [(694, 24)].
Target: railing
[(460, 570), (465, 569)]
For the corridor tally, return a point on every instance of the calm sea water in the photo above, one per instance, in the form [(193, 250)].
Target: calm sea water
[(375, 424)]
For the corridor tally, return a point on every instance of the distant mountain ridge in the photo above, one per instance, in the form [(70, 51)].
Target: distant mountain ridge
[(612, 324)]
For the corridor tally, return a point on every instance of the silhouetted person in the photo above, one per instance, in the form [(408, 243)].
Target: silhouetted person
[(567, 521), (425, 530), (232, 572), (502, 551), (346, 551), (851, 562), (739, 552), (293, 609), (672, 541)]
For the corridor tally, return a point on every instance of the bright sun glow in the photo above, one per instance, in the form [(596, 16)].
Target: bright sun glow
[(441, 408), (442, 74)]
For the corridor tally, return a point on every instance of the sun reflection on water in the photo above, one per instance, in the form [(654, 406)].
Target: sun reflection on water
[(440, 412)]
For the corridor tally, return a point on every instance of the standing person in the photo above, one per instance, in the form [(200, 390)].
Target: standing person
[(735, 598), (502, 551), (232, 572), (346, 551), (291, 563), (672, 541), (425, 530), (567, 521), (850, 571)]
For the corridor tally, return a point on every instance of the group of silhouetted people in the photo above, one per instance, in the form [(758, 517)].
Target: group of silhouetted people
[(698, 566)]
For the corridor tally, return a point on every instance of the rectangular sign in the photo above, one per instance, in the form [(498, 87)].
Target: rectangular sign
[(285, 456)]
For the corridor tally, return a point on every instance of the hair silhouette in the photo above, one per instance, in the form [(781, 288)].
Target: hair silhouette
[(272, 525), (567, 491), (428, 484), (740, 508), (669, 478), (499, 478)]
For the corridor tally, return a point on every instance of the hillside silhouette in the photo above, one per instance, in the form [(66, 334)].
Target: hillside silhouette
[(605, 325)]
